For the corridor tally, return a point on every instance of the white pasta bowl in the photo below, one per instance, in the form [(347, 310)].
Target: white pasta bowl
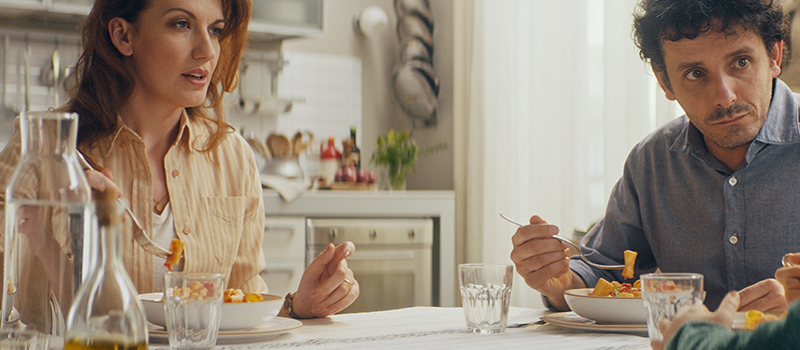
[(606, 310), (235, 316)]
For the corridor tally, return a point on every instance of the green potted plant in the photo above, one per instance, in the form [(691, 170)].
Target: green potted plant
[(397, 152)]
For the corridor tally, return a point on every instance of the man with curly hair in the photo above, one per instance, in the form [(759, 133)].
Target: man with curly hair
[(712, 192)]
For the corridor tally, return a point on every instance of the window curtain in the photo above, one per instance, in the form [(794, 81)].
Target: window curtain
[(558, 96)]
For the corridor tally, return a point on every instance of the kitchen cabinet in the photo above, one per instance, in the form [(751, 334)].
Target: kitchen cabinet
[(56, 7), (78, 7), (271, 20), (280, 19), (438, 206), (284, 253)]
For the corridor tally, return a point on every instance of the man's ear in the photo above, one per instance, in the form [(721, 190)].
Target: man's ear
[(663, 81), (776, 55), (120, 31)]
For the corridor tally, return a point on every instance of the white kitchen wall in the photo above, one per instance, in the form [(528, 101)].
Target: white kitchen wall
[(379, 55), (327, 88), (12, 78)]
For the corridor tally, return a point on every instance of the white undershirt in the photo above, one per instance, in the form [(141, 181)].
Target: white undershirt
[(163, 234)]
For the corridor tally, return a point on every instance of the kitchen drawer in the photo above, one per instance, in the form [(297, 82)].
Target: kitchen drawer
[(282, 275), (284, 236)]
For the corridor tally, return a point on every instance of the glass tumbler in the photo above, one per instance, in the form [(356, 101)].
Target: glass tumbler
[(664, 294), (193, 309), (485, 296)]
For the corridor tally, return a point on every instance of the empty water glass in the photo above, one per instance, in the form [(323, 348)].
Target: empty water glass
[(485, 295)]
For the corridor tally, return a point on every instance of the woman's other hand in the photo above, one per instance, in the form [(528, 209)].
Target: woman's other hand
[(723, 316), (101, 181), (789, 277), (327, 285)]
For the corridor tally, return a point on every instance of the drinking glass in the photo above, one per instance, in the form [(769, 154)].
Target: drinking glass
[(485, 295), (664, 294), (21, 339), (193, 309)]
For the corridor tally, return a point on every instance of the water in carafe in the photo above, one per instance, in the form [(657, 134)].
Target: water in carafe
[(48, 215)]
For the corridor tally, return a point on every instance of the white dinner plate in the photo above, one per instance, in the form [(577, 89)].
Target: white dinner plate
[(573, 321), (269, 330)]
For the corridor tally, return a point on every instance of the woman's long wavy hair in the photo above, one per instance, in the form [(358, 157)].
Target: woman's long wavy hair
[(104, 83)]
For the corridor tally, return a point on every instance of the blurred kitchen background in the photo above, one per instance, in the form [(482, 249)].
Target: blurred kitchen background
[(538, 101)]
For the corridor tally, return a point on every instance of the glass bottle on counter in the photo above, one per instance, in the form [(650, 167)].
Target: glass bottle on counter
[(107, 313), (48, 221), (355, 152)]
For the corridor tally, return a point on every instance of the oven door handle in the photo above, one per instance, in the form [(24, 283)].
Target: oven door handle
[(383, 255)]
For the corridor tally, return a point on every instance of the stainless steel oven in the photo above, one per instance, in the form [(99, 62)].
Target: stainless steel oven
[(393, 261)]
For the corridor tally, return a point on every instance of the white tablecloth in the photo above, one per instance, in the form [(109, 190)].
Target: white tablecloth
[(436, 328)]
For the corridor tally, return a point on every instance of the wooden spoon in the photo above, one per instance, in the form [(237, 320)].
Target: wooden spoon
[(298, 145), (259, 147), (279, 145)]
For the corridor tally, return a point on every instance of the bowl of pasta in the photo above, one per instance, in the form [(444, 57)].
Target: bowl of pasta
[(240, 311), (608, 303)]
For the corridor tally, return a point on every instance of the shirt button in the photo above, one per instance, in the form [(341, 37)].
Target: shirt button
[(122, 144), (183, 143), (187, 230), (175, 173), (733, 239), (733, 181)]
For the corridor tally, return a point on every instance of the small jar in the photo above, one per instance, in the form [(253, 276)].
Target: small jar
[(330, 160)]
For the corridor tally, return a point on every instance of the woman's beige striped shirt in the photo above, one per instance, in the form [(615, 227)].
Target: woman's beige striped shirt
[(216, 199)]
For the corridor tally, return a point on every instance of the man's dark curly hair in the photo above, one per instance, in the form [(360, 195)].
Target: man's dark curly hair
[(658, 20)]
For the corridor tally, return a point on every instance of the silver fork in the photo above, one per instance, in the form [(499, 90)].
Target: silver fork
[(138, 232), (578, 249)]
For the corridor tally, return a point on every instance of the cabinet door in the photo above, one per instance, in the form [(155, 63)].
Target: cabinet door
[(76, 7), (23, 4), (284, 249), (284, 237), (287, 18), (282, 275)]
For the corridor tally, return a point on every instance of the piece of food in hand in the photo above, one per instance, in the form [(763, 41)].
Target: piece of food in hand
[(630, 259), (176, 250)]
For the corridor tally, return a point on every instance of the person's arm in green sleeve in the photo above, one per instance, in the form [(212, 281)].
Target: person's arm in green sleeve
[(776, 335)]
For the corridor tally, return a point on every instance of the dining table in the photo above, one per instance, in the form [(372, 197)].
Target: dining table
[(433, 328)]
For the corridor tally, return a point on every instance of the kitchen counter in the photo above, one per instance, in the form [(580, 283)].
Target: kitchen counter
[(439, 205)]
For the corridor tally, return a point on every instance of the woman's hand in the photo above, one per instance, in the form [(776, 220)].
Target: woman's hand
[(327, 285), (101, 181), (723, 316), (789, 277)]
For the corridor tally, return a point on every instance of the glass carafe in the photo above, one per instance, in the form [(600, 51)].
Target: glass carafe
[(107, 313), (48, 211)]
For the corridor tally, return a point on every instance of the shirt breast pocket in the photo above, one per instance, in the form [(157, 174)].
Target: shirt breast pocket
[(225, 218)]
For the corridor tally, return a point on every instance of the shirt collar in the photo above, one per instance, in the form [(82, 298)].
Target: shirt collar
[(781, 124), (125, 134)]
